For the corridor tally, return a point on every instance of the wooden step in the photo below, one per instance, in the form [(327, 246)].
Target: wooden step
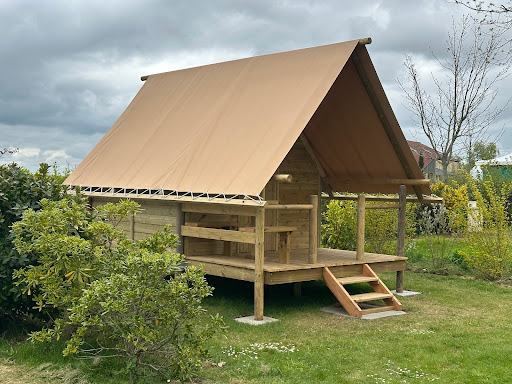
[(371, 296), (357, 279), (377, 309)]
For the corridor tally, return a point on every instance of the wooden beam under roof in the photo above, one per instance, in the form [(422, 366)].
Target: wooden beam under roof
[(314, 158)]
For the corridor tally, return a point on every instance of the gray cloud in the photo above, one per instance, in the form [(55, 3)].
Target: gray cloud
[(70, 68)]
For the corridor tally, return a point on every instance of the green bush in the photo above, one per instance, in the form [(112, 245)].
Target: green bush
[(490, 241), (339, 227), (118, 298), (456, 200), (20, 190)]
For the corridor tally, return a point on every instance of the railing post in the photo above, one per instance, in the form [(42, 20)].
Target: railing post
[(361, 202), (400, 243), (259, 255), (313, 230)]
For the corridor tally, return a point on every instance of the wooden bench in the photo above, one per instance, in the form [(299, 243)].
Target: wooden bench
[(284, 239)]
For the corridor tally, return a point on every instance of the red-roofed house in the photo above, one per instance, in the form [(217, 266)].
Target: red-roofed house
[(432, 166)]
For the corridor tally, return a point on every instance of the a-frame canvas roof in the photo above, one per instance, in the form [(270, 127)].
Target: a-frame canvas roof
[(225, 128)]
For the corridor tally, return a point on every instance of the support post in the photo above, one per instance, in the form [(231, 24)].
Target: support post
[(399, 287), (259, 255), (313, 230), (132, 227), (361, 205), (400, 243), (297, 289), (180, 220)]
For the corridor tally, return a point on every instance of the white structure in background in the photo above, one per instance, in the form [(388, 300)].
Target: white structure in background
[(501, 161), (474, 219)]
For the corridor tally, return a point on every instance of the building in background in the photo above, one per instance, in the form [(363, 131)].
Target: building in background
[(498, 167), (432, 166)]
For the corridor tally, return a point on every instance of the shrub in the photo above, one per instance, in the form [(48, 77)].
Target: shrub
[(340, 226), (118, 298), (456, 200), (489, 245), (20, 190)]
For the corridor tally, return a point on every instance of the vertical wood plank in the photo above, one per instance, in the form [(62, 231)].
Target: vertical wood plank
[(132, 227), (313, 230), (297, 289), (319, 212), (180, 219), (284, 247), (400, 243), (399, 287), (259, 254), (361, 202)]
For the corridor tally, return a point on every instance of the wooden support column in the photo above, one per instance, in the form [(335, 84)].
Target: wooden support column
[(132, 227), (259, 255), (400, 243), (297, 289), (361, 205), (180, 220), (313, 230)]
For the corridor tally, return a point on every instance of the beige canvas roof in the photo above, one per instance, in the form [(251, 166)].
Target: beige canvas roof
[(225, 128)]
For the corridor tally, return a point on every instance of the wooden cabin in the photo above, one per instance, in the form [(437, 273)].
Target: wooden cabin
[(237, 157)]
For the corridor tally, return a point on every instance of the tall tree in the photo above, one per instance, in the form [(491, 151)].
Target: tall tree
[(480, 151), (462, 105)]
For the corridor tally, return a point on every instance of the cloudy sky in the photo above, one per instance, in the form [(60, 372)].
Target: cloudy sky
[(69, 68)]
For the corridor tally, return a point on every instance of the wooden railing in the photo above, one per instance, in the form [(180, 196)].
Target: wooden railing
[(256, 237)]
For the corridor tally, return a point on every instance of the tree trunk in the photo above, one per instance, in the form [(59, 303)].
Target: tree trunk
[(445, 163)]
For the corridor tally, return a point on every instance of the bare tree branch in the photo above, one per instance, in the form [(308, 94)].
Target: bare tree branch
[(11, 151), (463, 105)]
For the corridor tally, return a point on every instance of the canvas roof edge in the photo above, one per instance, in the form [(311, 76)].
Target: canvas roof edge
[(238, 200), (361, 41)]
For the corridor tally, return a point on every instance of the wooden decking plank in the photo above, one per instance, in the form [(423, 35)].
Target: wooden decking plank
[(377, 309), (362, 297), (356, 279)]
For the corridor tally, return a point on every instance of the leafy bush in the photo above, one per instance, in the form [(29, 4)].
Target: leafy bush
[(456, 200), (20, 190), (490, 251), (340, 226), (118, 298)]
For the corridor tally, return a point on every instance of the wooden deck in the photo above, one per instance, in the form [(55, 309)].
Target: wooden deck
[(341, 263)]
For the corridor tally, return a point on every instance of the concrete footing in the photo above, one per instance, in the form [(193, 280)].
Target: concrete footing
[(338, 310), (251, 321), (405, 293)]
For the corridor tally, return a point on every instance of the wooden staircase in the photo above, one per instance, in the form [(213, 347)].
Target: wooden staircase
[(350, 302)]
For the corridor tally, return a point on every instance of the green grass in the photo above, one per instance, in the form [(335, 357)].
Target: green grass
[(457, 331)]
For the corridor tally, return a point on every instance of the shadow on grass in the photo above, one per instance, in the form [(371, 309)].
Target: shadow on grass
[(235, 297)]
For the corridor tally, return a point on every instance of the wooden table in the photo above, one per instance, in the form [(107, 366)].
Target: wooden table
[(284, 239)]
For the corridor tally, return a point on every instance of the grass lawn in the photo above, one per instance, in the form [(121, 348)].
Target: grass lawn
[(458, 331)]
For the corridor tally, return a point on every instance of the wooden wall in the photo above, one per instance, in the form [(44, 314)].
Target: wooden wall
[(154, 216), (306, 182)]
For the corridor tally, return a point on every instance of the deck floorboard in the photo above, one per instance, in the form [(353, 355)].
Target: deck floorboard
[(298, 260)]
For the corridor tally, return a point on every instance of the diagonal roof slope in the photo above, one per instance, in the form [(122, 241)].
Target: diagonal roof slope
[(225, 128)]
